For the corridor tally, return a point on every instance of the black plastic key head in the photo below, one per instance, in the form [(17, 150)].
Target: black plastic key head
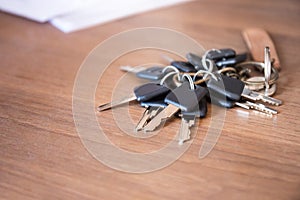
[(199, 111), (149, 91), (221, 54), (185, 98), (155, 102), (231, 61), (230, 88), (202, 108), (184, 66), (195, 60), (219, 100)]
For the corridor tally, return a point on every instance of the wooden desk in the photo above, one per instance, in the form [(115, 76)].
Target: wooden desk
[(42, 156)]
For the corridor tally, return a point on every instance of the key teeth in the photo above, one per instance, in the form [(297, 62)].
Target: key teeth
[(185, 132), (151, 126), (265, 111), (262, 108), (255, 96), (146, 130), (143, 121), (270, 102)]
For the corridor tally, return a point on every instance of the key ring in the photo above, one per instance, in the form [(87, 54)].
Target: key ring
[(227, 69), (204, 60), (175, 71), (206, 76), (190, 80), (260, 66), (198, 82)]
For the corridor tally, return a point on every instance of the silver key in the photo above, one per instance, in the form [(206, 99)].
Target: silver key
[(257, 106), (148, 115), (184, 132), (255, 96), (113, 104), (165, 114), (141, 93)]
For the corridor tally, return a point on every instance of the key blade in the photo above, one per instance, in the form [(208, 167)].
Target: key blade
[(271, 100), (143, 120), (262, 108), (132, 69), (116, 103), (184, 131), (255, 96), (242, 105), (249, 94), (166, 113), (149, 114), (266, 99), (154, 111)]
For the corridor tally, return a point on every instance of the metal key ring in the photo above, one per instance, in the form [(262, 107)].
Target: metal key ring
[(260, 66), (227, 69)]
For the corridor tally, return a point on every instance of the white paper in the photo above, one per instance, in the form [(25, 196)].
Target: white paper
[(73, 15), (40, 10), (95, 12)]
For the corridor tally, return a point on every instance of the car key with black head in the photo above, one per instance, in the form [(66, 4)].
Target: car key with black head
[(229, 93), (234, 89), (231, 61), (220, 54), (243, 104), (153, 107), (182, 98), (184, 66), (230, 88), (143, 92)]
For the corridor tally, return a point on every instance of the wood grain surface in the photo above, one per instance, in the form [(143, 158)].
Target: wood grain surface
[(42, 156)]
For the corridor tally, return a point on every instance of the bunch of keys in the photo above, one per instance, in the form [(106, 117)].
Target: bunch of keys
[(187, 97)]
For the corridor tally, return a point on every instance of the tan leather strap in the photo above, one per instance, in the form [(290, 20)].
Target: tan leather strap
[(257, 39)]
